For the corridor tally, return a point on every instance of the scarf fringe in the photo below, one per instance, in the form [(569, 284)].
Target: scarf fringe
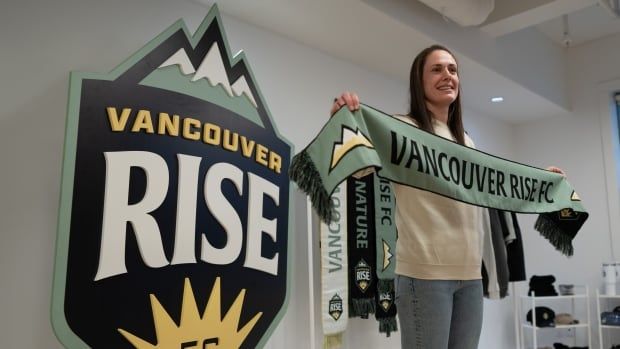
[(385, 285), (388, 325), (305, 174), (332, 341), (362, 307), (550, 231)]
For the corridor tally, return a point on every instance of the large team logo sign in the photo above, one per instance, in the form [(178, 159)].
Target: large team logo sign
[(174, 218)]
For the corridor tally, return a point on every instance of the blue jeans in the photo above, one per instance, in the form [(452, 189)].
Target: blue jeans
[(439, 314)]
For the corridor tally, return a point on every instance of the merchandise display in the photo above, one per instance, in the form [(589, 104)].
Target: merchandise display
[(610, 318), (502, 254), (610, 278), (542, 286), (362, 254), (563, 346), (545, 317), (565, 319), (566, 290), (357, 259), (370, 138), (554, 316), (334, 286)]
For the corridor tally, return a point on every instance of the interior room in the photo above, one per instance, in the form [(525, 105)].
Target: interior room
[(538, 80)]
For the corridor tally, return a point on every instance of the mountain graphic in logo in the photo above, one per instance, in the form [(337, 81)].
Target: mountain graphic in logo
[(349, 140), (207, 81), (174, 174), (387, 255)]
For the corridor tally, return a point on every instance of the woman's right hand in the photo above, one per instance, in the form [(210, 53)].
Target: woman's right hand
[(350, 99)]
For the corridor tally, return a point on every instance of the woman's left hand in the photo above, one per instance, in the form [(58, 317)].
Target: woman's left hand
[(556, 170)]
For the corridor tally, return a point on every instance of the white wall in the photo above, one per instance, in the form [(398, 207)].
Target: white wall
[(574, 142), (42, 41)]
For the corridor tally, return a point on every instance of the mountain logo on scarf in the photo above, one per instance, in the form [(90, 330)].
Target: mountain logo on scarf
[(174, 215), (335, 307), (349, 140), (385, 300), (363, 275), (387, 255)]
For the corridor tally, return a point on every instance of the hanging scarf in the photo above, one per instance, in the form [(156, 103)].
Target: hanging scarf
[(386, 242), (361, 244), (405, 154), (386, 232), (334, 288), (385, 311)]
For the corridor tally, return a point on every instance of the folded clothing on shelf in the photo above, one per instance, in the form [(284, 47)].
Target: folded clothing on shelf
[(545, 317), (564, 346), (542, 286), (565, 319), (566, 290), (610, 318)]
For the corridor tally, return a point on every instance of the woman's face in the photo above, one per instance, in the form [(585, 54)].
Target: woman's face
[(440, 78)]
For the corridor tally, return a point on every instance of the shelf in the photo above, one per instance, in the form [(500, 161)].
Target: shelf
[(604, 300), (578, 304), (608, 326), (609, 297), (559, 326), (557, 297)]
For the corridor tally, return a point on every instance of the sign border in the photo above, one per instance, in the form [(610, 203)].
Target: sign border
[(59, 323)]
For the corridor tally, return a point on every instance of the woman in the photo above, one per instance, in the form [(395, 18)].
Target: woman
[(438, 282)]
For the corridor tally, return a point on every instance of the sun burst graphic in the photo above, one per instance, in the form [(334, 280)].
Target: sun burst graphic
[(195, 331)]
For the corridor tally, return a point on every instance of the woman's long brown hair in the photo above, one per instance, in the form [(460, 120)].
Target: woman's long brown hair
[(418, 110)]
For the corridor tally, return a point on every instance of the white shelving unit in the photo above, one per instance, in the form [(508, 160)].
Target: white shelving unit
[(605, 328), (532, 302)]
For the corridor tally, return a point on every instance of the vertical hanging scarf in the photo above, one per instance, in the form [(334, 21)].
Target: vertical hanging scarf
[(386, 232), (405, 154), (362, 247), (385, 246), (334, 288), (385, 311)]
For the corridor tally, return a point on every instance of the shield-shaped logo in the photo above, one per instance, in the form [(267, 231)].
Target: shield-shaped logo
[(174, 218), (335, 307), (385, 300), (363, 275)]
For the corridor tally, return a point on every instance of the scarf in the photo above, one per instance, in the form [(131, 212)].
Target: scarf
[(385, 311), (334, 288), (386, 232), (386, 242), (405, 154), (361, 245)]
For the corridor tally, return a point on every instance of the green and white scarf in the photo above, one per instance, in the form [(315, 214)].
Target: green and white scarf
[(385, 310), (405, 154), (334, 288)]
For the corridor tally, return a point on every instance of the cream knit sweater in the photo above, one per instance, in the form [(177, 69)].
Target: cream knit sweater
[(438, 238)]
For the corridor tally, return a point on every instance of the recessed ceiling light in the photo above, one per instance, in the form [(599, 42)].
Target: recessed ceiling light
[(497, 99)]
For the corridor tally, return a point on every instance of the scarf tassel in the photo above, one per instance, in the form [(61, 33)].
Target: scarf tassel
[(332, 341), (550, 231), (388, 325), (362, 307), (305, 174)]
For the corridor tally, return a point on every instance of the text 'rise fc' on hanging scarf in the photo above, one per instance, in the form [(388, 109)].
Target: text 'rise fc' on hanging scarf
[(400, 152)]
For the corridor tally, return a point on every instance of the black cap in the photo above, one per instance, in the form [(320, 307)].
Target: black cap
[(545, 317)]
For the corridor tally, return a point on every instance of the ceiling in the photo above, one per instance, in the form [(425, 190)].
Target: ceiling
[(519, 52), (591, 23)]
